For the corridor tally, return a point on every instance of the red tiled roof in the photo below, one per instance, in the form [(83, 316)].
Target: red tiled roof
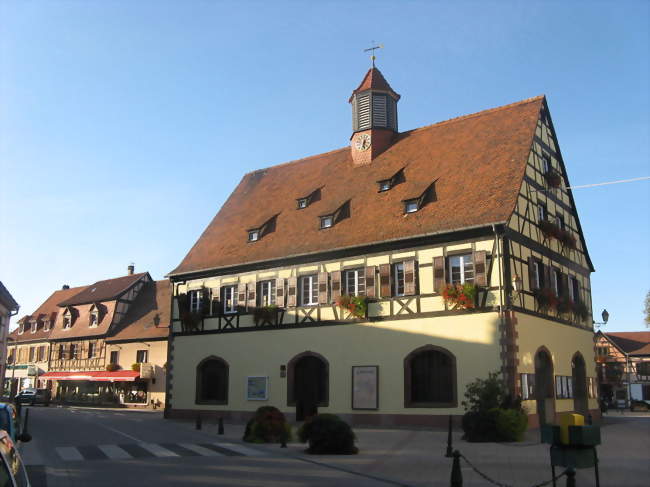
[(49, 307), (477, 162), (631, 342), (374, 80), (153, 300), (81, 322), (106, 290)]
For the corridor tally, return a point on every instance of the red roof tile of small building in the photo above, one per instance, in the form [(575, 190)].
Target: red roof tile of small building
[(374, 80), (105, 290), (631, 342), (477, 162)]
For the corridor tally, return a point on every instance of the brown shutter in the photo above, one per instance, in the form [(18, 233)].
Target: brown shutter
[(384, 280), (293, 289), (438, 273), (480, 270), (409, 277), (564, 279), (251, 302), (279, 292), (547, 276), (370, 282), (531, 273), (322, 287), (241, 296), (336, 285)]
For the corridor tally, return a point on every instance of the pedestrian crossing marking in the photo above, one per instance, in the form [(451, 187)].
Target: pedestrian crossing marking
[(138, 450)]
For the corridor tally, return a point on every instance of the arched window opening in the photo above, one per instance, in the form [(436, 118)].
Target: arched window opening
[(430, 378), (212, 381)]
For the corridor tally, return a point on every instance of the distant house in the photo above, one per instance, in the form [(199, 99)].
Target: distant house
[(623, 366), (377, 280), (8, 308)]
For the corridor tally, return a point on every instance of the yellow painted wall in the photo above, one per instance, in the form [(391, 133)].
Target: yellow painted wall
[(563, 342), (472, 338)]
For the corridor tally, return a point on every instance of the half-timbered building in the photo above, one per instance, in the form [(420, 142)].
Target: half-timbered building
[(377, 280)]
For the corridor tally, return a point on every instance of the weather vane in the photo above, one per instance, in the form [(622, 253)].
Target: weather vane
[(373, 49)]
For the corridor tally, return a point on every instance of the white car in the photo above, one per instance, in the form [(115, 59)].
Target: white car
[(12, 469)]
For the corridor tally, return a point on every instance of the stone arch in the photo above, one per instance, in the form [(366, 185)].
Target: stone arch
[(579, 375), (544, 385), (307, 382)]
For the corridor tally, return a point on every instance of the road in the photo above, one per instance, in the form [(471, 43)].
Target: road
[(86, 447)]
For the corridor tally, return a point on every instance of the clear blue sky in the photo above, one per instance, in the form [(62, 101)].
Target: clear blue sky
[(125, 125)]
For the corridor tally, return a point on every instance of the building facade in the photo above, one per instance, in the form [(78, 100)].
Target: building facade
[(378, 280), (103, 344), (8, 308), (623, 367)]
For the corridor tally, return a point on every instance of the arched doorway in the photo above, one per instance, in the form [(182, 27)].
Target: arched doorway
[(580, 404), (308, 375), (544, 387)]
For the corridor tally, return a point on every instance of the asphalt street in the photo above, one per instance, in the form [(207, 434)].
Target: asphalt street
[(86, 447)]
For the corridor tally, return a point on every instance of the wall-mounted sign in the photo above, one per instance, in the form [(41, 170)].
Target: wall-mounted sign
[(257, 388), (32, 370), (365, 385), (146, 371)]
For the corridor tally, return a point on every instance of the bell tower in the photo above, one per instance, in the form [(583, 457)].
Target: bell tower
[(374, 117)]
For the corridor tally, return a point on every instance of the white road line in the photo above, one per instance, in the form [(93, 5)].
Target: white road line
[(200, 450), (249, 452), (158, 450), (69, 453), (114, 452), (119, 432)]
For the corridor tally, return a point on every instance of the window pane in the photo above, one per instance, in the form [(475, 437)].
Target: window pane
[(398, 286)]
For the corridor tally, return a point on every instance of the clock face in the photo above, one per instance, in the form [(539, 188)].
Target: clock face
[(363, 142)]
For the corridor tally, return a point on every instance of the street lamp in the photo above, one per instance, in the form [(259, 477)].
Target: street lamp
[(605, 316)]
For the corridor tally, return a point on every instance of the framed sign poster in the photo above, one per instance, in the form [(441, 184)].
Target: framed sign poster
[(257, 388), (365, 385)]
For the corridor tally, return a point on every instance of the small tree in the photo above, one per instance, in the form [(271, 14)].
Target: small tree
[(647, 309)]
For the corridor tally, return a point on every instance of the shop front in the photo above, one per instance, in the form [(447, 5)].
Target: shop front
[(99, 387)]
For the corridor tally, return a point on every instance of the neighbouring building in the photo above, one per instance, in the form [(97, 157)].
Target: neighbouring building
[(104, 344), (623, 367), (377, 280), (8, 308)]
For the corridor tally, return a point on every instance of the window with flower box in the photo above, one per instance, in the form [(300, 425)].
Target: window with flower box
[(229, 299), (355, 283), (461, 269)]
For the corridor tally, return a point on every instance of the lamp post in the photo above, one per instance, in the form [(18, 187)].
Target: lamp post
[(605, 317)]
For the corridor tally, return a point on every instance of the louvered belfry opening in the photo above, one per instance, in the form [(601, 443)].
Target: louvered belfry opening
[(373, 110)]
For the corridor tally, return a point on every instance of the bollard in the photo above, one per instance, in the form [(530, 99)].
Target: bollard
[(198, 422), (283, 439), (220, 430), (456, 475), (449, 447), (570, 477)]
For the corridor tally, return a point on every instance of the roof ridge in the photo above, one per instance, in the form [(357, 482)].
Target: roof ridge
[(478, 114)]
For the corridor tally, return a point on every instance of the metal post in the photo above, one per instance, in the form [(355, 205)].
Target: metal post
[(220, 430), (596, 467), (456, 474), (199, 424), (449, 446), (283, 438), (570, 477)]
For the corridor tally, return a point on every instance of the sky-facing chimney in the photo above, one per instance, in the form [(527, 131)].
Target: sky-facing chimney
[(131, 268)]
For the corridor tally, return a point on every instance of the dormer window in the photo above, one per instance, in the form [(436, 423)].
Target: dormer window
[(94, 318), (67, 320), (258, 232), (326, 221), (34, 326), (384, 185), (411, 206), (254, 235), (303, 203), (21, 329), (46, 325)]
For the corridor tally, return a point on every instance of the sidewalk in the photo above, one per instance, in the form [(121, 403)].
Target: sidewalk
[(416, 457)]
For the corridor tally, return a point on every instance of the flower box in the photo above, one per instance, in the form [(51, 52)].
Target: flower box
[(357, 305), (549, 229), (460, 296), (567, 239), (546, 299), (553, 178), (112, 367), (265, 315)]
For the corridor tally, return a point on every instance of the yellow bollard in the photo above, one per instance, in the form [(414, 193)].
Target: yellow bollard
[(567, 420)]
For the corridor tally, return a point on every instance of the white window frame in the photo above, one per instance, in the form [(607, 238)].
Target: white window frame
[(411, 206), (538, 269), (266, 293), (34, 326), (542, 212), (384, 185), (94, 318), (253, 235), (358, 280), (326, 221), (232, 290), (146, 356), (555, 281), (398, 279), (309, 285), (196, 297), (303, 203), (463, 260), (21, 329), (46, 325), (67, 320)]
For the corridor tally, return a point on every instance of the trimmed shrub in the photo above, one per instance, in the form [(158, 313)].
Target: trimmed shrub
[(327, 433), (511, 424), (267, 426)]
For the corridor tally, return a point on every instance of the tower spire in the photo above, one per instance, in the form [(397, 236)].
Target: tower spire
[(372, 50)]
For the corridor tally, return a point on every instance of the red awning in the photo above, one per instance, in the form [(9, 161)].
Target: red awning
[(99, 375)]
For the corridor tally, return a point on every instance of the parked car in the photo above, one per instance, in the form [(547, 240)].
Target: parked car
[(10, 422), (12, 469), (34, 396)]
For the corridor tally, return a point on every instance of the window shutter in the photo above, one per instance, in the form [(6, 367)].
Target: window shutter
[(384, 280), (438, 273), (336, 285), (564, 279), (409, 277), (370, 282), (547, 276), (279, 292), (531, 273), (251, 303), (241, 296), (479, 258), (291, 293), (322, 287)]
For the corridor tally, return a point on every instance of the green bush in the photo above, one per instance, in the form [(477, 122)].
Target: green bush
[(327, 433), (267, 426), (511, 424)]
